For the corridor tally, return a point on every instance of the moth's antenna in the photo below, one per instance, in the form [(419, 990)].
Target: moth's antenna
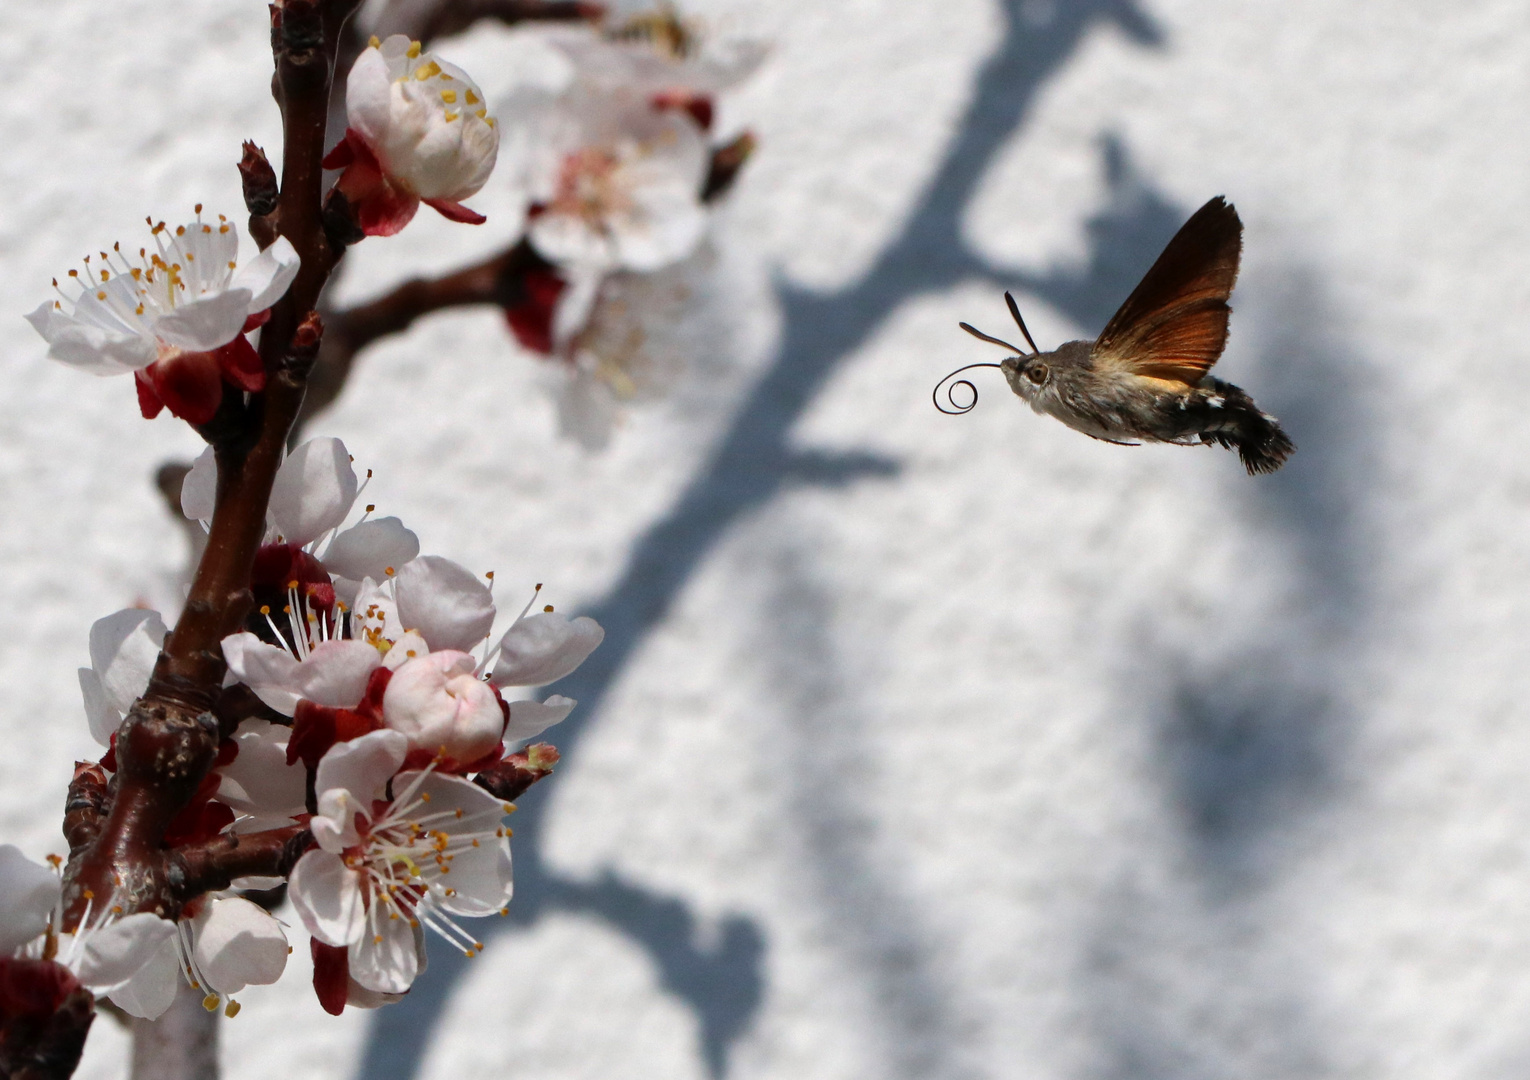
[(975, 332), (1014, 309), (955, 409)]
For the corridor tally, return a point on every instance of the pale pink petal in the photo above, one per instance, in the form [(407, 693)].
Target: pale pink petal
[(445, 602), (336, 673), (327, 896), (406, 647), (544, 647), (443, 707), (314, 490), (370, 549), (530, 718), (239, 944)]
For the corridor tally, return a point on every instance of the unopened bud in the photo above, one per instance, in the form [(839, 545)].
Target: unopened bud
[(727, 161), (511, 777), (259, 180)]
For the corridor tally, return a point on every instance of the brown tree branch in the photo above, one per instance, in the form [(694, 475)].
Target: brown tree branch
[(498, 280), (427, 21), (169, 740), (207, 867)]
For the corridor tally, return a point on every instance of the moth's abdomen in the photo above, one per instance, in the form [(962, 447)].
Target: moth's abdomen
[(1225, 415)]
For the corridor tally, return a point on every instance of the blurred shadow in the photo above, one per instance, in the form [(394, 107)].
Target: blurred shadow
[(1250, 731), (751, 464)]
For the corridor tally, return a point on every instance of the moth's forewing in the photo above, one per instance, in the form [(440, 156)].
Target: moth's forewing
[(1174, 324)]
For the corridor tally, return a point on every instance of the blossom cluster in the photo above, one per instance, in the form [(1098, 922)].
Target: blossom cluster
[(614, 166), (382, 722), (383, 700)]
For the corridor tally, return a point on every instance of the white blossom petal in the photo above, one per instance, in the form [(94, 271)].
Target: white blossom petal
[(314, 490), (361, 997), (383, 958), (91, 348), (529, 719), (368, 95), (112, 955), (100, 713), (259, 781), (544, 647), (238, 944), (445, 602), (124, 647), (362, 766), (152, 988), (265, 669), (327, 896), (334, 825), (199, 491), (480, 879), (407, 647), (268, 276), (28, 891), (205, 323), (370, 549), (336, 673)]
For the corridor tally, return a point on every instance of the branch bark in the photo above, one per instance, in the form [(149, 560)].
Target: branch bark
[(169, 740)]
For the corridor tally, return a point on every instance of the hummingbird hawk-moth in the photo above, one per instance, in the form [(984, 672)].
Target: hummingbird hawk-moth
[(1147, 377)]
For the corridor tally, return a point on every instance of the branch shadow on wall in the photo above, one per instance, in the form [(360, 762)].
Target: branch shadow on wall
[(1251, 730), (724, 985)]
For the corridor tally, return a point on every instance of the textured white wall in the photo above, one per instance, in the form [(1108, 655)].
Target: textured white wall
[(957, 747)]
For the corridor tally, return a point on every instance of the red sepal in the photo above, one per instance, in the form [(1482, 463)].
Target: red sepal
[(331, 975), (455, 211), (380, 206), (256, 321), (697, 106), (148, 401), (33, 989), (531, 317), (315, 728), (109, 759), (189, 384), (240, 364), (342, 154), (201, 819)]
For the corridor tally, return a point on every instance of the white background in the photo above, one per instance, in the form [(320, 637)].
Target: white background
[(1018, 753)]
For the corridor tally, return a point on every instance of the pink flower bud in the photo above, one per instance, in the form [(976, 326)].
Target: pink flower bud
[(442, 707)]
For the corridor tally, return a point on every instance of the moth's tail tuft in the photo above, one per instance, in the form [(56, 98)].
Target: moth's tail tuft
[(1254, 434)]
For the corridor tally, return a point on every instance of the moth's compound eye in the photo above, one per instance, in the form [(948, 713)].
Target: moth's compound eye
[(1037, 373)]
